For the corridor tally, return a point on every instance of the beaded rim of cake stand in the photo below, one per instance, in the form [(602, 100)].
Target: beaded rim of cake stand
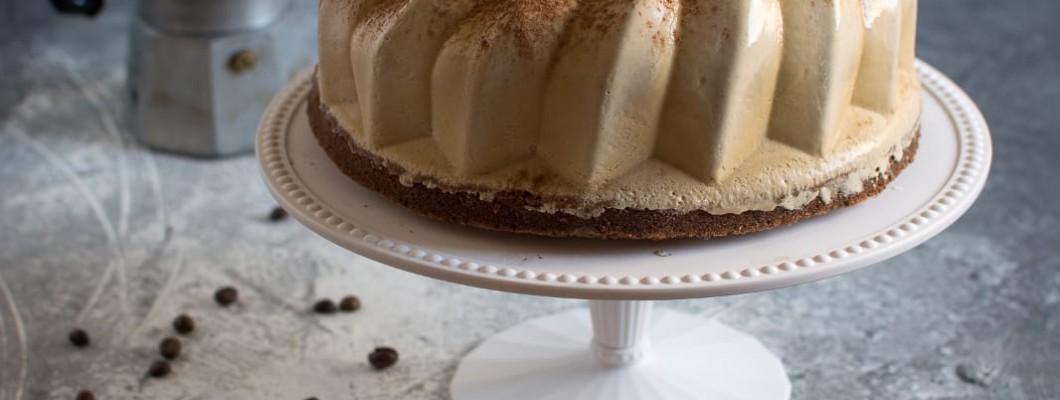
[(967, 180)]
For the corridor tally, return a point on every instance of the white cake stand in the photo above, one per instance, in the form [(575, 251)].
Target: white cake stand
[(606, 356)]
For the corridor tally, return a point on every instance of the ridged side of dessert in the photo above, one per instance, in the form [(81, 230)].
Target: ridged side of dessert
[(677, 106)]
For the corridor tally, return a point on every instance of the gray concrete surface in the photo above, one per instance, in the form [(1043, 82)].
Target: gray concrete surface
[(99, 233)]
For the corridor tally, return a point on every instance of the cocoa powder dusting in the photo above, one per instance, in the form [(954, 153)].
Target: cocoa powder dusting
[(528, 25), (532, 26), (603, 17), (381, 12)]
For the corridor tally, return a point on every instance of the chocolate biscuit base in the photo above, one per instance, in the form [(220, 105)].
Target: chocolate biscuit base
[(509, 211)]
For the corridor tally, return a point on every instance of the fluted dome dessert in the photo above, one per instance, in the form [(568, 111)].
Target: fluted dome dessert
[(619, 118)]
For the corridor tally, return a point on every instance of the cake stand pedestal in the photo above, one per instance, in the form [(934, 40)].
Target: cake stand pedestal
[(609, 355)]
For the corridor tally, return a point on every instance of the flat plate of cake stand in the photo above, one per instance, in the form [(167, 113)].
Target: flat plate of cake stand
[(604, 353)]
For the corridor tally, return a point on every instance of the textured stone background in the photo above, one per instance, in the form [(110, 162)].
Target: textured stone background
[(99, 233)]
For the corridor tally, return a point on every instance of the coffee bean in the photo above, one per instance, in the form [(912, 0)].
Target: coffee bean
[(277, 214), (85, 395), (159, 369), (311, 398), (350, 304), (383, 357), (80, 338), (184, 324), (169, 348), (325, 306), (226, 295)]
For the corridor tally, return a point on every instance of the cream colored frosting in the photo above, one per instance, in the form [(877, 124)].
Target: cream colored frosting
[(717, 105), (726, 69)]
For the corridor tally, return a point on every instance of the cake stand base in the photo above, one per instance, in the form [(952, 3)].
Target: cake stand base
[(551, 358)]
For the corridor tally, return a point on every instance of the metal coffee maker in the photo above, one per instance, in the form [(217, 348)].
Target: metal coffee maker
[(202, 71)]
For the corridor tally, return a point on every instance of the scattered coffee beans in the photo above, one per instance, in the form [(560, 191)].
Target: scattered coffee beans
[(85, 395), (383, 357), (277, 214), (350, 304), (226, 295), (184, 324), (324, 307), (169, 348), (80, 338), (159, 369)]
